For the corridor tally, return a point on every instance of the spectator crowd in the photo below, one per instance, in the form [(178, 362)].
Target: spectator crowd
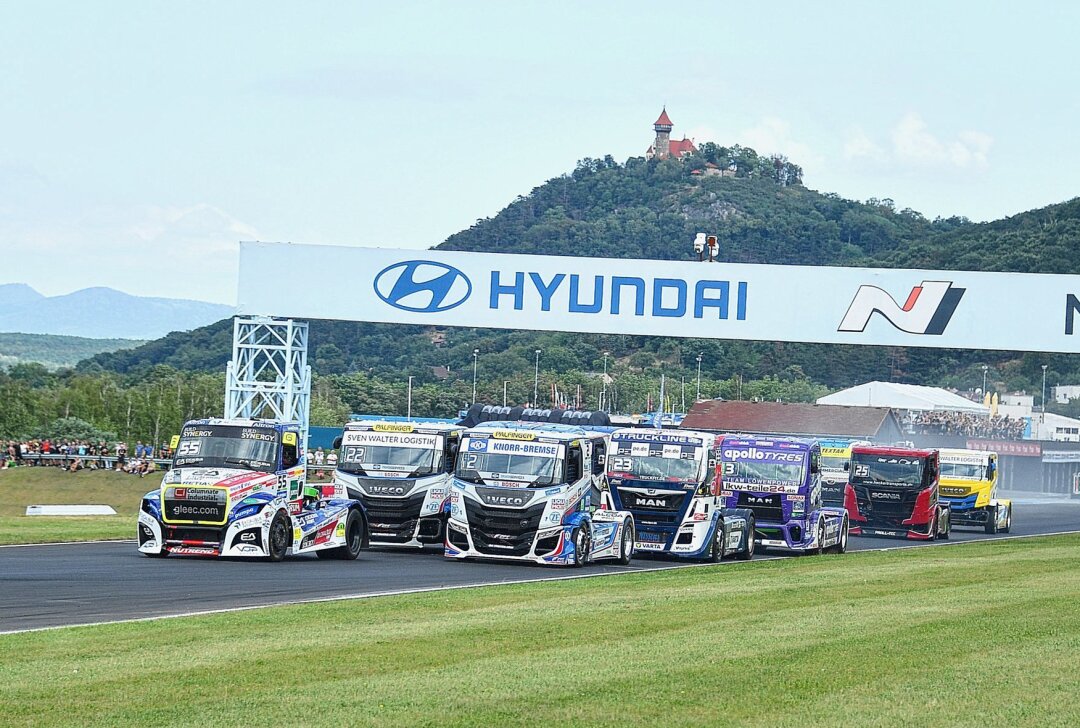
[(75, 455), (942, 422)]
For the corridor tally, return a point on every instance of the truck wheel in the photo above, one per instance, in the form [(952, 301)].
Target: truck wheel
[(1008, 521), (841, 544), (748, 553), (354, 540), (581, 539), (946, 527), (991, 521), (278, 540), (626, 546), (820, 548), (716, 547)]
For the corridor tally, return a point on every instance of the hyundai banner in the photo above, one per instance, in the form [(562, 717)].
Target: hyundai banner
[(888, 307)]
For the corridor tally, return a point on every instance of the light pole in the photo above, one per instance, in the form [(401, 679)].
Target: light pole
[(697, 397), (505, 382), (985, 368), (1044, 395), (603, 393), (536, 378), (408, 407), (475, 353)]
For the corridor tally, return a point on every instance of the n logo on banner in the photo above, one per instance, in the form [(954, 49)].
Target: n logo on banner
[(928, 308)]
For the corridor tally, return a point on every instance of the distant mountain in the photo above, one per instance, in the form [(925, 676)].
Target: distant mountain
[(101, 313), (56, 351)]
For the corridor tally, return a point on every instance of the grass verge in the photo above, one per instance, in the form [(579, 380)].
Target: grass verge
[(973, 634), (21, 487)]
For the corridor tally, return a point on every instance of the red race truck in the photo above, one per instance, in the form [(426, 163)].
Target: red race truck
[(896, 493)]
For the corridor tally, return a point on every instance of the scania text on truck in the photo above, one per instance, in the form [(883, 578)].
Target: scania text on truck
[(239, 488), (778, 479), (896, 493), (529, 491), (666, 479), (401, 472), (969, 480)]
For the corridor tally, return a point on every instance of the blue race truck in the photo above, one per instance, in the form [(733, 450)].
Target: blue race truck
[(666, 479), (778, 479)]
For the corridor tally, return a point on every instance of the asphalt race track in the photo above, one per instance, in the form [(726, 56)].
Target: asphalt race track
[(72, 584)]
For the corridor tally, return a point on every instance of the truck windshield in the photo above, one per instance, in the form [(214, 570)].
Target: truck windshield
[(648, 467), (227, 446), (763, 472), (833, 462), (400, 454), (967, 471), (517, 467), (359, 459), (886, 470)]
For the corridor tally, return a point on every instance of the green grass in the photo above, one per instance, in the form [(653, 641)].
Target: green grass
[(21, 487), (981, 634)]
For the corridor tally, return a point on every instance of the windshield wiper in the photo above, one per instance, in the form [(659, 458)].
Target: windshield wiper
[(469, 476)]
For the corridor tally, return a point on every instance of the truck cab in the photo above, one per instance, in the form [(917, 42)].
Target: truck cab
[(531, 491), (897, 493), (401, 472), (779, 479), (666, 479), (835, 459), (969, 480), (239, 488)]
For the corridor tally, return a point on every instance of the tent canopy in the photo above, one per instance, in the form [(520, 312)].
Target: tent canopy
[(904, 397)]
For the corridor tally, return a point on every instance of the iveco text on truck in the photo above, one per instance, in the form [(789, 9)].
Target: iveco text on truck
[(529, 491), (667, 480), (896, 493), (401, 472), (969, 480), (239, 488)]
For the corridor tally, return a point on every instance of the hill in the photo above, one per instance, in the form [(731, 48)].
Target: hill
[(650, 209), (101, 313), (56, 351)]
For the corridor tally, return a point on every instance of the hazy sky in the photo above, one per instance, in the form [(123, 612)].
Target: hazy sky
[(139, 141)]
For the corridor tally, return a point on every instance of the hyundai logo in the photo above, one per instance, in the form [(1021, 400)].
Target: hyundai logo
[(422, 286)]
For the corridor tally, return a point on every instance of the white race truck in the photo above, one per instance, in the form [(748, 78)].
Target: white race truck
[(401, 472), (531, 491)]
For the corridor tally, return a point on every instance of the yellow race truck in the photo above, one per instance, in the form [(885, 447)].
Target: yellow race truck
[(969, 480)]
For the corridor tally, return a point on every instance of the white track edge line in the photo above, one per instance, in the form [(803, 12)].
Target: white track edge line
[(455, 587)]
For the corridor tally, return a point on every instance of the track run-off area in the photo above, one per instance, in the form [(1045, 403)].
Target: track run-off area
[(60, 585)]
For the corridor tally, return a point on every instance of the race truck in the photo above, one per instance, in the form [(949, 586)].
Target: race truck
[(531, 491), (401, 472), (836, 491), (896, 493), (239, 488), (778, 479), (969, 480), (665, 479)]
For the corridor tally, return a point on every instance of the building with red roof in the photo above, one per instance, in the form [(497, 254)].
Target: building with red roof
[(664, 146)]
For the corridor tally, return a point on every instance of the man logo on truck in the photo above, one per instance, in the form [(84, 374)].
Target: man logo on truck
[(928, 308)]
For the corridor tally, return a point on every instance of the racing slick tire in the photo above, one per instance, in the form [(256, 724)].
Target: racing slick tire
[(946, 530), (277, 542), (841, 544), (1008, 521), (991, 521), (582, 544), (354, 540), (626, 546), (820, 549), (747, 553), (716, 546)]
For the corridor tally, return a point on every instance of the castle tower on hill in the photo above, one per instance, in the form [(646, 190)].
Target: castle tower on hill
[(663, 147)]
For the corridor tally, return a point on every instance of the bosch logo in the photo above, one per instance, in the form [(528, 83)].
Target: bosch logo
[(422, 286)]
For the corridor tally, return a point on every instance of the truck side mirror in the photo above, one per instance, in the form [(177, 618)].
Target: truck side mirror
[(847, 466), (337, 442)]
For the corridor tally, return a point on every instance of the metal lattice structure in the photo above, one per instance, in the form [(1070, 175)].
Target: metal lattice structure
[(269, 376)]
